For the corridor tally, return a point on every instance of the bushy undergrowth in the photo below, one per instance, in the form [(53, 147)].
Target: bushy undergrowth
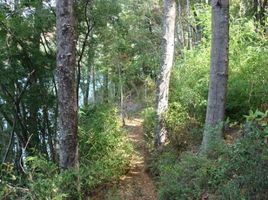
[(183, 130), (248, 72), (41, 181), (104, 152), (230, 171), (148, 116)]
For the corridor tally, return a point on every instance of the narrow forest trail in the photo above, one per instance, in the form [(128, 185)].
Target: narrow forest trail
[(136, 184)]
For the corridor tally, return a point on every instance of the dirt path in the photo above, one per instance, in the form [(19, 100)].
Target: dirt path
[(136, 184)]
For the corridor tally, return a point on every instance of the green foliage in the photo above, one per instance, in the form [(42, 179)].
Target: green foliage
[(182, 179), (183, 131), (247, 71), (105, 153), (42, 181), (148, 116), (105, 150), (235, 171)]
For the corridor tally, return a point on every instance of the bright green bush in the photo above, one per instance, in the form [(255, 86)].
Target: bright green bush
[(248, 72), (235, 171), (40, 181), (183, 131), (148, 125), (105, 150), (105, 154)]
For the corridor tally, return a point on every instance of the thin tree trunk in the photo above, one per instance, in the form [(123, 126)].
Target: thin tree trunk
[(121, 95), (262, 13), (106, 87), (93, 84), (49, 135), (180, 25), (218, 75), (198, 28), (33, 120), (190, 37), (167, 54), (86, 94), (9, 146), (255, 11), (66, 79)]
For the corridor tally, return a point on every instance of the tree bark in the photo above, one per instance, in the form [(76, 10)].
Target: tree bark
[(166, 62), (218, 75), (66, 79), (262, 15), (93, 85), (180, 31), (106, 87), (190, 37), (86, 92)]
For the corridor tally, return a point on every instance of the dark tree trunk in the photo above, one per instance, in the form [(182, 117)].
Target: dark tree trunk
[(262, 14), (86, 93), (66, 79)]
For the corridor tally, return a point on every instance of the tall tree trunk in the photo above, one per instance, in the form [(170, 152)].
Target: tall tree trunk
[(255, 8), (106, 86), (33, 120), (167, 54), (93, 84), (262, 14), (122, 111), (218, 75), (180, 26), (190, 36), (66, 79), (86, 93)]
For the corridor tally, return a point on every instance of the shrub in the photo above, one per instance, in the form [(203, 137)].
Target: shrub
[(105, 154), (148, 116), (41, 181), (248, 58), (183, 131), (235, 171), (105, 150)]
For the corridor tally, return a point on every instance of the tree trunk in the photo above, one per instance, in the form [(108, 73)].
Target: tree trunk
[(106, 86), (218, 75), (93, 85), (167, 54), (66, 79), (262, 14), (86, 93), (122, 111), (33, 120), (180, 31), (190, 37)]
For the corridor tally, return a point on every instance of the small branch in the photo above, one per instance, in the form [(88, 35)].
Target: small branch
[(25, 86), (47, 42), (18, 188), (89, 29), (10, 139), (24, 148)]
